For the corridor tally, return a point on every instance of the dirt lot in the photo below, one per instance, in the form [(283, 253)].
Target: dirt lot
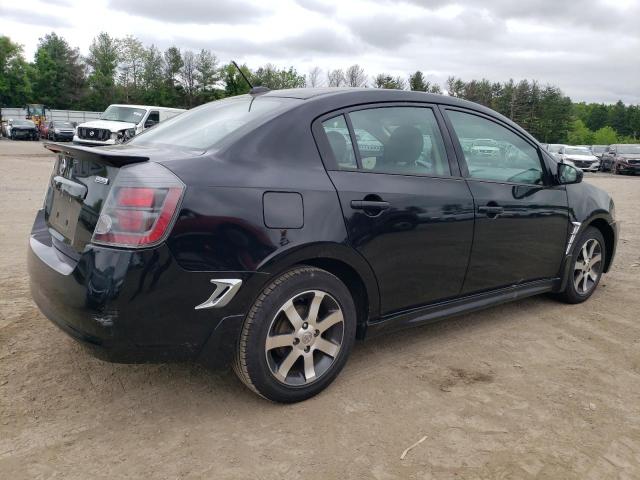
[(533, 389)]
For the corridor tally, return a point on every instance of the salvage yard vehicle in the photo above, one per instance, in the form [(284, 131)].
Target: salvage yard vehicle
[(581, 157), (554, 149), (250, 230), (58, 130), (622, 159), (23, 129), (120, 123)]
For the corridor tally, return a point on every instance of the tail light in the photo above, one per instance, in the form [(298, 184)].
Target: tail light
[(140, 208)]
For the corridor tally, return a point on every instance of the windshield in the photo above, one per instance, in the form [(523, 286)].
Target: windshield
[(577, 151), (626, 149), (598, 148), (123, 114), (206, 126), (553, 148), (62, 125), (24, 123)]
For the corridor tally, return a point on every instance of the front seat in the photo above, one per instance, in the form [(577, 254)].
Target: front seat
[(403, 149)]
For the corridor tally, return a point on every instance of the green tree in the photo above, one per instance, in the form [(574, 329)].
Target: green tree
[(15, 86), (419, 83), (173, 66), (580, 134), (384, 80), (153, 68), (271, 77), (233, 81), (207, 74), (605, 136), (58, 73), (132, 54), (104, 53)]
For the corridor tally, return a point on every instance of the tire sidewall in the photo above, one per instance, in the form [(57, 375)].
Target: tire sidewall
[(256, 363), (590, 233)]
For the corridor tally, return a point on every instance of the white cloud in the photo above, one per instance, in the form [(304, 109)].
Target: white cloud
[(586, 48)]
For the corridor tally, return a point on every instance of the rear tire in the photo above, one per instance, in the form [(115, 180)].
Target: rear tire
[(287, 353), (586, 267)]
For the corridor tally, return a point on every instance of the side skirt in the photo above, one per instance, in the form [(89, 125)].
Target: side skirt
[(458, 306)]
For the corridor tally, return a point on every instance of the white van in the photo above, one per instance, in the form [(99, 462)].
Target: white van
[(119, 123)]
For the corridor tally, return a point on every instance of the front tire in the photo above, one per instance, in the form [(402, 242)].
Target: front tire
[(586, 268), (297, 336)]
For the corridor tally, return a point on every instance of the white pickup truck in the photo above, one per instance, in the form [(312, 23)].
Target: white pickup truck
[(119, 123)]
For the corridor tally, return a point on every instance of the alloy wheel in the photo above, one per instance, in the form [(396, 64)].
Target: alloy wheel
[(588, 267), (304, 338)]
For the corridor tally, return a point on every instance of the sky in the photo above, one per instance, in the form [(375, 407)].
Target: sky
[(588, 48)]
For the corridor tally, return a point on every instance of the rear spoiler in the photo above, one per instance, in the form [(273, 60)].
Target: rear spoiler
[(111, 156)]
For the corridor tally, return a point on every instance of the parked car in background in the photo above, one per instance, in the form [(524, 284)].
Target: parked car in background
[(581, 157), (622, 158), (250, 229), (57, 131), (5, 127), (554, 149), (23, 129), (598, 150), (120, 123)]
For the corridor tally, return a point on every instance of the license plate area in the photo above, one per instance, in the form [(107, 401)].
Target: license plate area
[(64, 214)]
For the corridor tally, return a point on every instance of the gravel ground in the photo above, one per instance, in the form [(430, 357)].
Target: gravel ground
[(533, 389)]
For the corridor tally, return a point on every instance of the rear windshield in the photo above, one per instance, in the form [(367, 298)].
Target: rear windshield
[(62, 124), (207, 126)]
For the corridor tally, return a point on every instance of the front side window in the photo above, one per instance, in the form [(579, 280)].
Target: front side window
[(493, 152), (340, 142), (403, 140)]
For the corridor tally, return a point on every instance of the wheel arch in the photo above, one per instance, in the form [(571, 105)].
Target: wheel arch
[(343, 262), (602, 225)]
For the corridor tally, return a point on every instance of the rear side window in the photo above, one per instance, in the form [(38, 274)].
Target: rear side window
[(493, 152), (340, 142), (403, 140), (207, 126)]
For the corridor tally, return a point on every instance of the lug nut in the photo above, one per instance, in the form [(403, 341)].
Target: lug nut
[(316, 333), (307, 348), (296, 341), (305, 325)]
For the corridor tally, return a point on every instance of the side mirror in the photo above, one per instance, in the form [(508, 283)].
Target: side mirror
[(568, 174), (149, 123)]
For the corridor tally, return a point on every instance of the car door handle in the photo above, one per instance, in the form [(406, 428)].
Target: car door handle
[(490, 210), (369, 205)]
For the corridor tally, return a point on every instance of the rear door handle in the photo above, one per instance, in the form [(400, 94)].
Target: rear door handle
[(369, 205)]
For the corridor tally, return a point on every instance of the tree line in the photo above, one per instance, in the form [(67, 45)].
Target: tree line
[(123, 70)]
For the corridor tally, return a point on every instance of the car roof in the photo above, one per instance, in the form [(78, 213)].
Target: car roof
[(347, 96)]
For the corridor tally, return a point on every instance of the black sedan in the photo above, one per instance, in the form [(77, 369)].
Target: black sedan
[(24, 129), (271, 230)]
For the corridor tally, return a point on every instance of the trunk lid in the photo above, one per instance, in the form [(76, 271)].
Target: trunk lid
[(79, 185)]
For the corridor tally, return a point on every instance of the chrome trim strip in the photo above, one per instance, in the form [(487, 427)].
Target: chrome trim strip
[(574, 232), (225, 290)]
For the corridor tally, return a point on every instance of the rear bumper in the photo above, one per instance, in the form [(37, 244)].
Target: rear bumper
[(131, 306)]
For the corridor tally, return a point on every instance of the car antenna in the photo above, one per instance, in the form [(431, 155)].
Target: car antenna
[(254, 90)]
